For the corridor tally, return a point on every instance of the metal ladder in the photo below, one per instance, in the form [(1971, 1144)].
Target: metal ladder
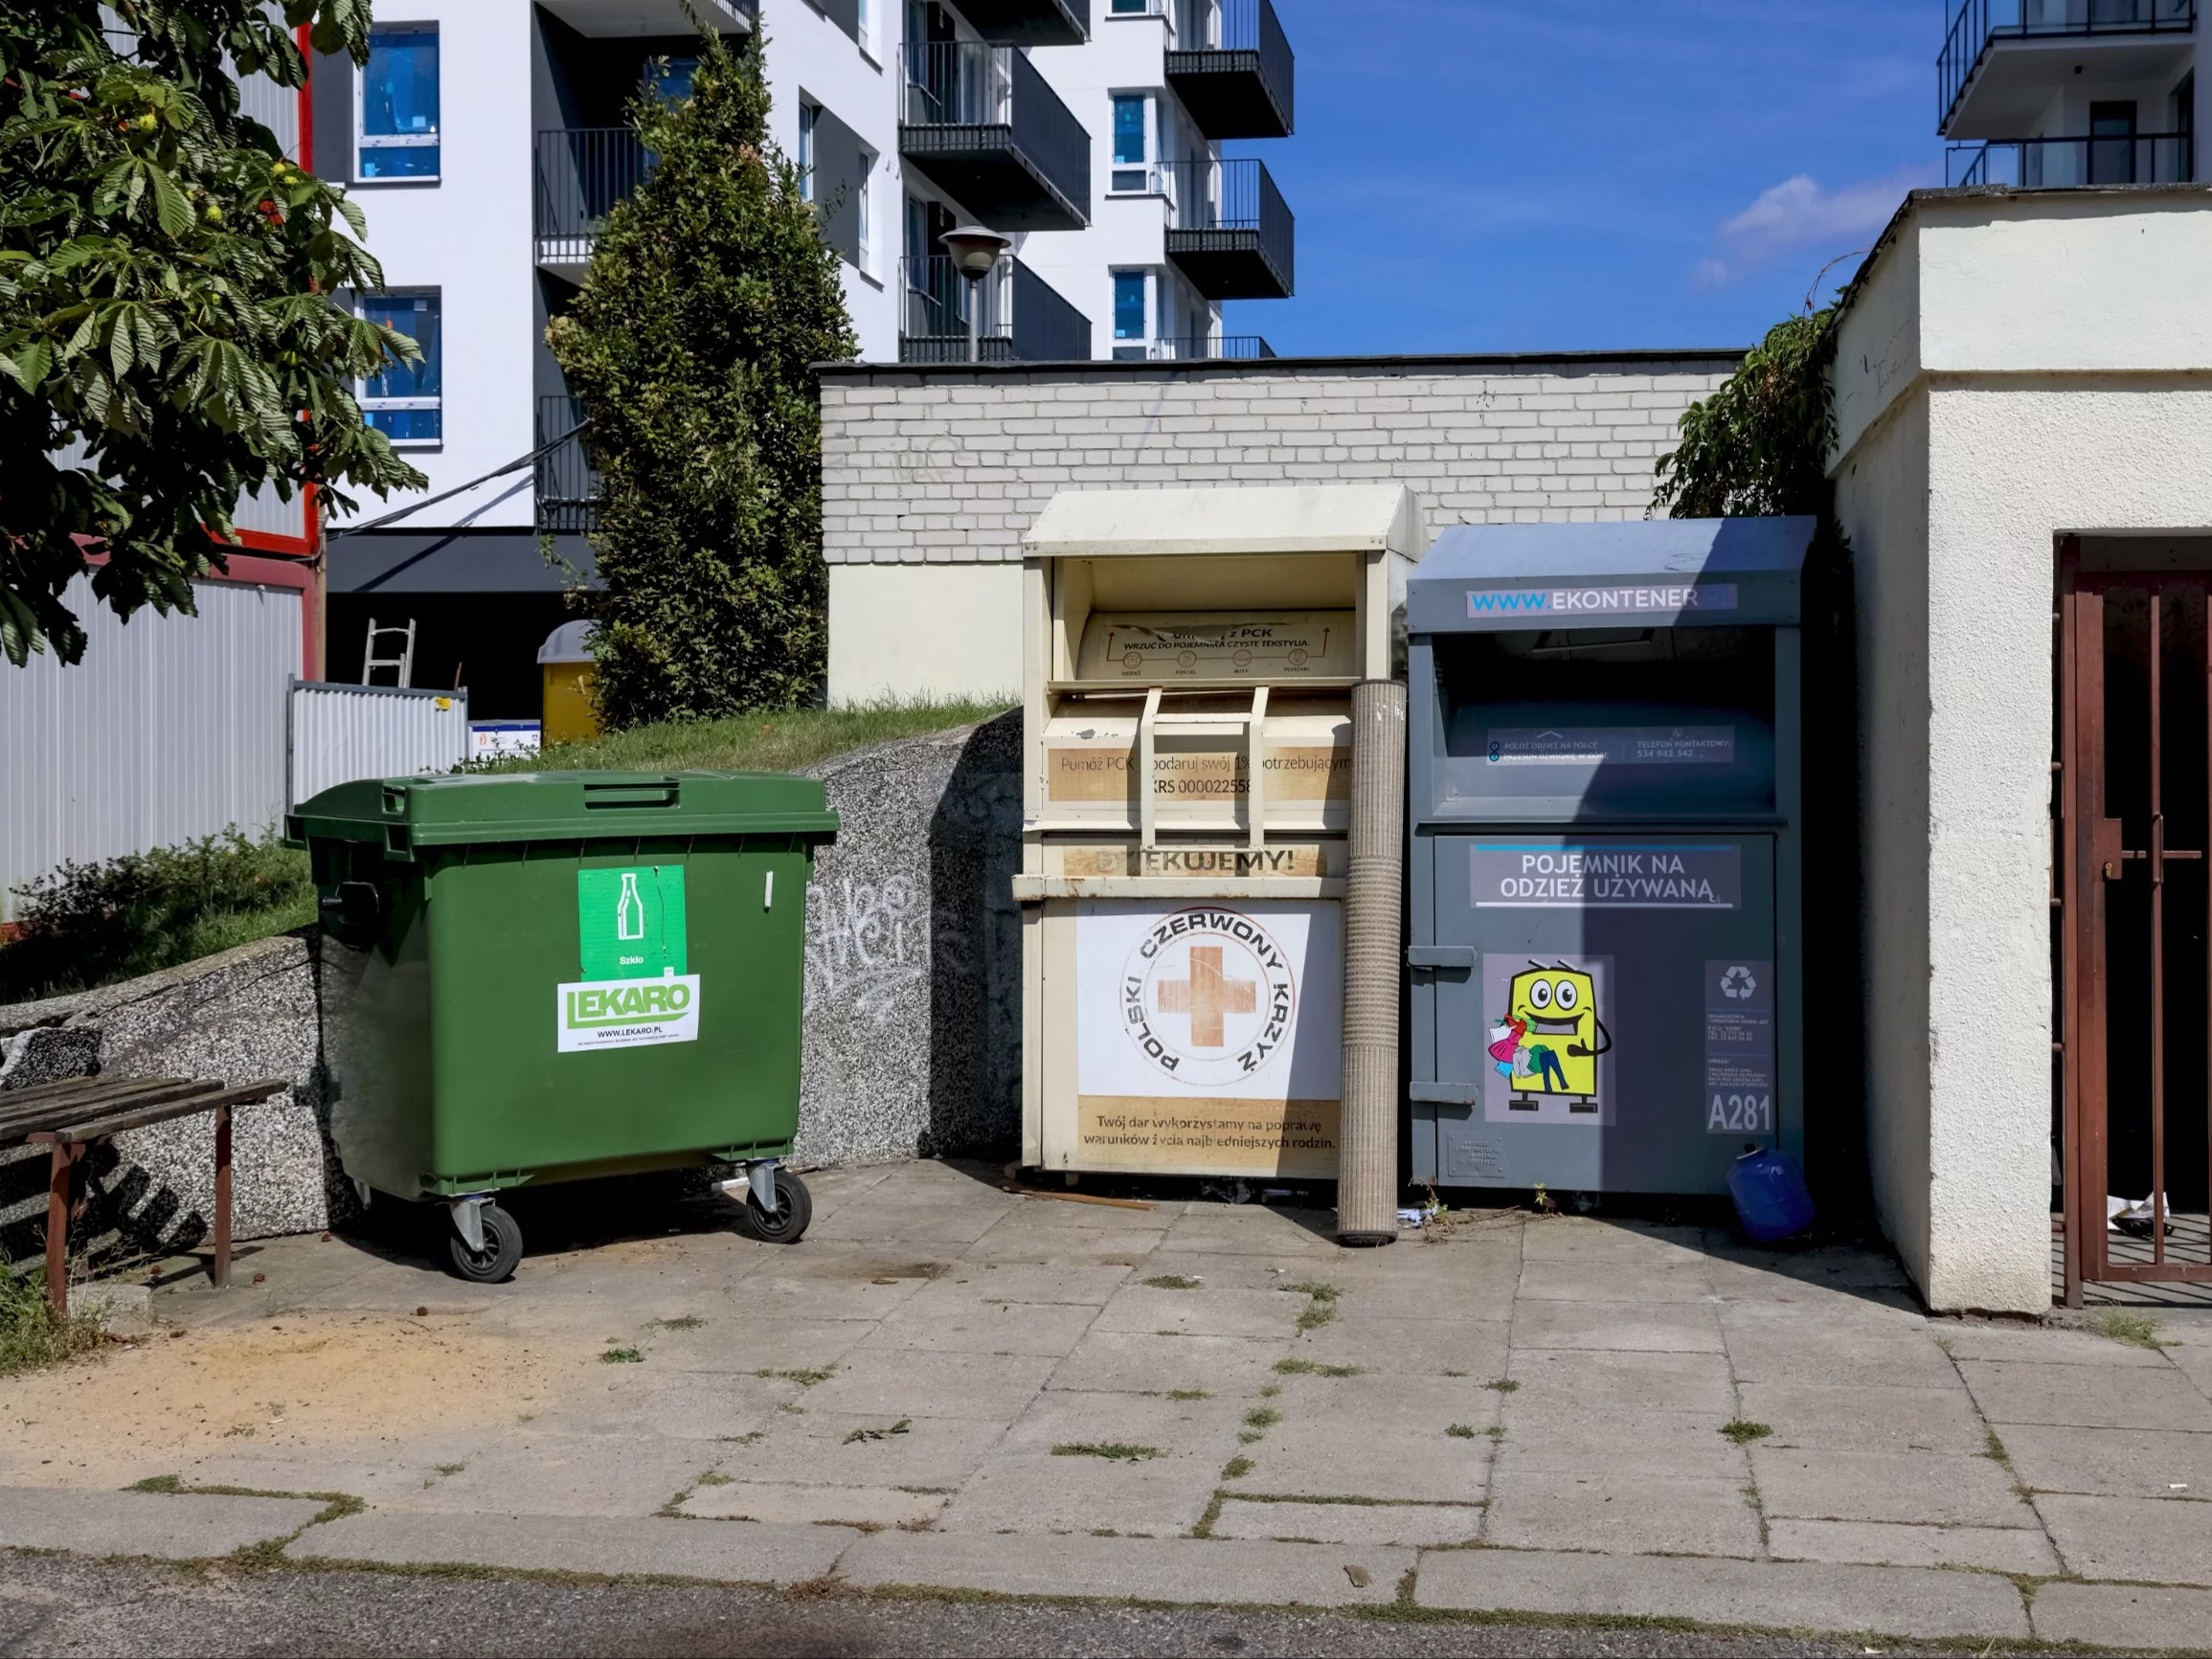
[(403, 664)]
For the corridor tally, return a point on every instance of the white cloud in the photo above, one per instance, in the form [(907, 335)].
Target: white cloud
[(1799, 212)]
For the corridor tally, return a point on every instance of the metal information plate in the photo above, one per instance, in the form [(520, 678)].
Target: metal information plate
[(1612, 746), (1739, 1047), (1611, 877), (1158, 647)]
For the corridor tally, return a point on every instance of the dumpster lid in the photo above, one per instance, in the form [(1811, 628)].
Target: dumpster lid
[(1638, 572), (1268, 519), (462, 809), (569, 643)]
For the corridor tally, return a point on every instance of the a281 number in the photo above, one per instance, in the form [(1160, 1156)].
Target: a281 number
[(1741, 1114)]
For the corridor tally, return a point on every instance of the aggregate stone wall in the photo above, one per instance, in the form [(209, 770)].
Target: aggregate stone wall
[(950, 465), (911, 1025)]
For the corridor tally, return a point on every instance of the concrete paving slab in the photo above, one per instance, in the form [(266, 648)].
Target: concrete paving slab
[(1552, 1441), (1043, 1330), (942, 1224), (604, 1475), (1204, 1312), (1062, 1417), (1585, 1238), (1603, 1281), (678, 1405), (726, 1552), (1408, 1347), (1888, 1544), (965, 1283), (1225, 1271), (1812, 1413), (2153, 1541), (1034, 1210), (374, 1480), (1878, 1601), (1599, 1378), (1636, 1326), (2043, 1345), (913, 1384), (818, 1297), (1847, 1358), (1186, 1570), (1374, 1523), (1622, 1514), (1832, 1266), (1381, 1464), (788, 1505), (838, 1448), (1914, 1487), (1127, 1359), (1051, 1247), (2083, 1397), (743, 1344), (1244, 1230), (2125, 1615), (1034, 1493), (2141, 1463), (173, 1526)]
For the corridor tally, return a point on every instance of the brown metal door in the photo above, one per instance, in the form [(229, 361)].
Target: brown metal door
[(2133, 779)]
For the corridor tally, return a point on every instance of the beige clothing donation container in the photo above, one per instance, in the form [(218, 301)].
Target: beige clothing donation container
[(1188, 660)]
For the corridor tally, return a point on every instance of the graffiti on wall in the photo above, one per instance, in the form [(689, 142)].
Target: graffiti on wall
[(866, 941)]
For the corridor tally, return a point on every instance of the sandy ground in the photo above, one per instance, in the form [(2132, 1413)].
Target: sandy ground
[(305, 1381)]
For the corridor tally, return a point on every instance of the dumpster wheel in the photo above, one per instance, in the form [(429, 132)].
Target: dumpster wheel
[(495, 1262), (794, 1209)]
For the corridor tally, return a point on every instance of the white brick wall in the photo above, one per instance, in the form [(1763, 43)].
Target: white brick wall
[(949, 466)]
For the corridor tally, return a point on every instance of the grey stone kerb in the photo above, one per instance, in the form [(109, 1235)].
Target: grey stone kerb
[(911, 1027)]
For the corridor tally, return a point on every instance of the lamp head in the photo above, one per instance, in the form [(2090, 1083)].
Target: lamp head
[(975, 249)]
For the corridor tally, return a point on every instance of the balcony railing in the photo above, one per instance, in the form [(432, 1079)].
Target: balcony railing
[(568, 488), (1229, 229), (1975, 24), (980, 121), (1030, 22), (1236, 73), (1209, 348), (581, 173), (2154, 158), (1020, 317)]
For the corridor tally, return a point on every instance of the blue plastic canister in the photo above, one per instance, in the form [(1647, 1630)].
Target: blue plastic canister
[(1771, 1199)]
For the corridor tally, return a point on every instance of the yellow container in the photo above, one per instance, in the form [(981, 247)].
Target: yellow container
[(565, 660)]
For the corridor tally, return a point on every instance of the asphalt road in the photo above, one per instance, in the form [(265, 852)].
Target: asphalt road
[(53, 1604)]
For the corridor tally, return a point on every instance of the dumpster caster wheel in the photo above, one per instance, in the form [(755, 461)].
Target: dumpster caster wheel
[(495, 1262), (794, 1209)]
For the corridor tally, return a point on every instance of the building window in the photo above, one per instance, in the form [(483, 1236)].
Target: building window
[(1130, 150), (863, 26), (808, 115), (864, 211), (1130, 8), (397, 129), (1129, 308), (405, 402), (668, 80)]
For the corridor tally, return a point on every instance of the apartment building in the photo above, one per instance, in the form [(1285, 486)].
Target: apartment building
[(485, 142), (2042, 93)]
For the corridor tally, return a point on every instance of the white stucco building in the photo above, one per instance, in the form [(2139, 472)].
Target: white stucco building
[(485, 140)]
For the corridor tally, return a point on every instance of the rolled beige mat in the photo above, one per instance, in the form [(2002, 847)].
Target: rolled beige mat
[(1367, 1142)]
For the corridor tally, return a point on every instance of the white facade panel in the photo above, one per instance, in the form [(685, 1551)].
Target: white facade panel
[(172, 728), (340, 733)]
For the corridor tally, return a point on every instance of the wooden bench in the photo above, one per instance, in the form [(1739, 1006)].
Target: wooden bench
[(75, 1115)]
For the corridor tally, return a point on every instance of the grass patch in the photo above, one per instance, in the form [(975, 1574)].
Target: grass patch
[(1461, 1431), (680, 1322), (163, 1483), (713, 1477), (2136, 1330), (31, 1335), (90, 925), (783, 741), (449, 1468), (805, 1379), (1320, 1302), (1112, 1450), (1173, 1282), (1743, 1430), (622, 1357), (1503, 1385), (1237, 1469), (901, 1426), (1257, 1423), (1313, 1368), (1189, 1394)]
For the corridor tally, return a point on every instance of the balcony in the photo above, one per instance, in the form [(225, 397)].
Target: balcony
[(980, 123), (633, 18), (567, 487), (1206, 349), (1240, 83), (580, 173), (1229, 231), (2042, 164), (1029, 22), (2003, 59), (1023, 319)]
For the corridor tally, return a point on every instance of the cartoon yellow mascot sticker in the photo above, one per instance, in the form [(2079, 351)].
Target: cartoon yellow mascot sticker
[(1550, 1037)]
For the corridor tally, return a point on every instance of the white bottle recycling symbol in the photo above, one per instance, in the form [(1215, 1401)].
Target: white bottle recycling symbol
[(630, 909)]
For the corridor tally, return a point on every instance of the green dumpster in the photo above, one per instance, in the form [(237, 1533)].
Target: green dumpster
[(547, 977)]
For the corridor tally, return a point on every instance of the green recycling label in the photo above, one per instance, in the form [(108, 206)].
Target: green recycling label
[(631, 922), (635, 988)]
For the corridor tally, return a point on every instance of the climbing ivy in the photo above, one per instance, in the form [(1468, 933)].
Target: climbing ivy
[(1759, 445)]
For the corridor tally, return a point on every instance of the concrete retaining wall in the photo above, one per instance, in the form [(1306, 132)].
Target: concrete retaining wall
[(911, 1036)]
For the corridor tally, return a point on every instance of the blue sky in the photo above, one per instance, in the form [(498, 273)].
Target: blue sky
[(1533, 175)]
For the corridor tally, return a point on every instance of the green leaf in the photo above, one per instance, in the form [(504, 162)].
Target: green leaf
[(27, 362), (171, 211)]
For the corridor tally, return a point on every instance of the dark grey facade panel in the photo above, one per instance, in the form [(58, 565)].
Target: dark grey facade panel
[(504, 561)]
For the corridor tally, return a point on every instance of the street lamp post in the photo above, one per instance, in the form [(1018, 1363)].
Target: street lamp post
[(975, 252)]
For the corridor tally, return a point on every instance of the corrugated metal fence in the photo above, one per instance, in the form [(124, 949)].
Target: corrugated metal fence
[(342, 732), (171, 728)]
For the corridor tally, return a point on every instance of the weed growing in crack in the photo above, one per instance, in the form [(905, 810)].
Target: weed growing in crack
[(1313, 1368), (2136, 1330), (1112, 1450), (622, 1357), (1461, 1431), (805, 1379), (1321, 1303), (1237, 1469), (1173, 1282), (1743, 1430)]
